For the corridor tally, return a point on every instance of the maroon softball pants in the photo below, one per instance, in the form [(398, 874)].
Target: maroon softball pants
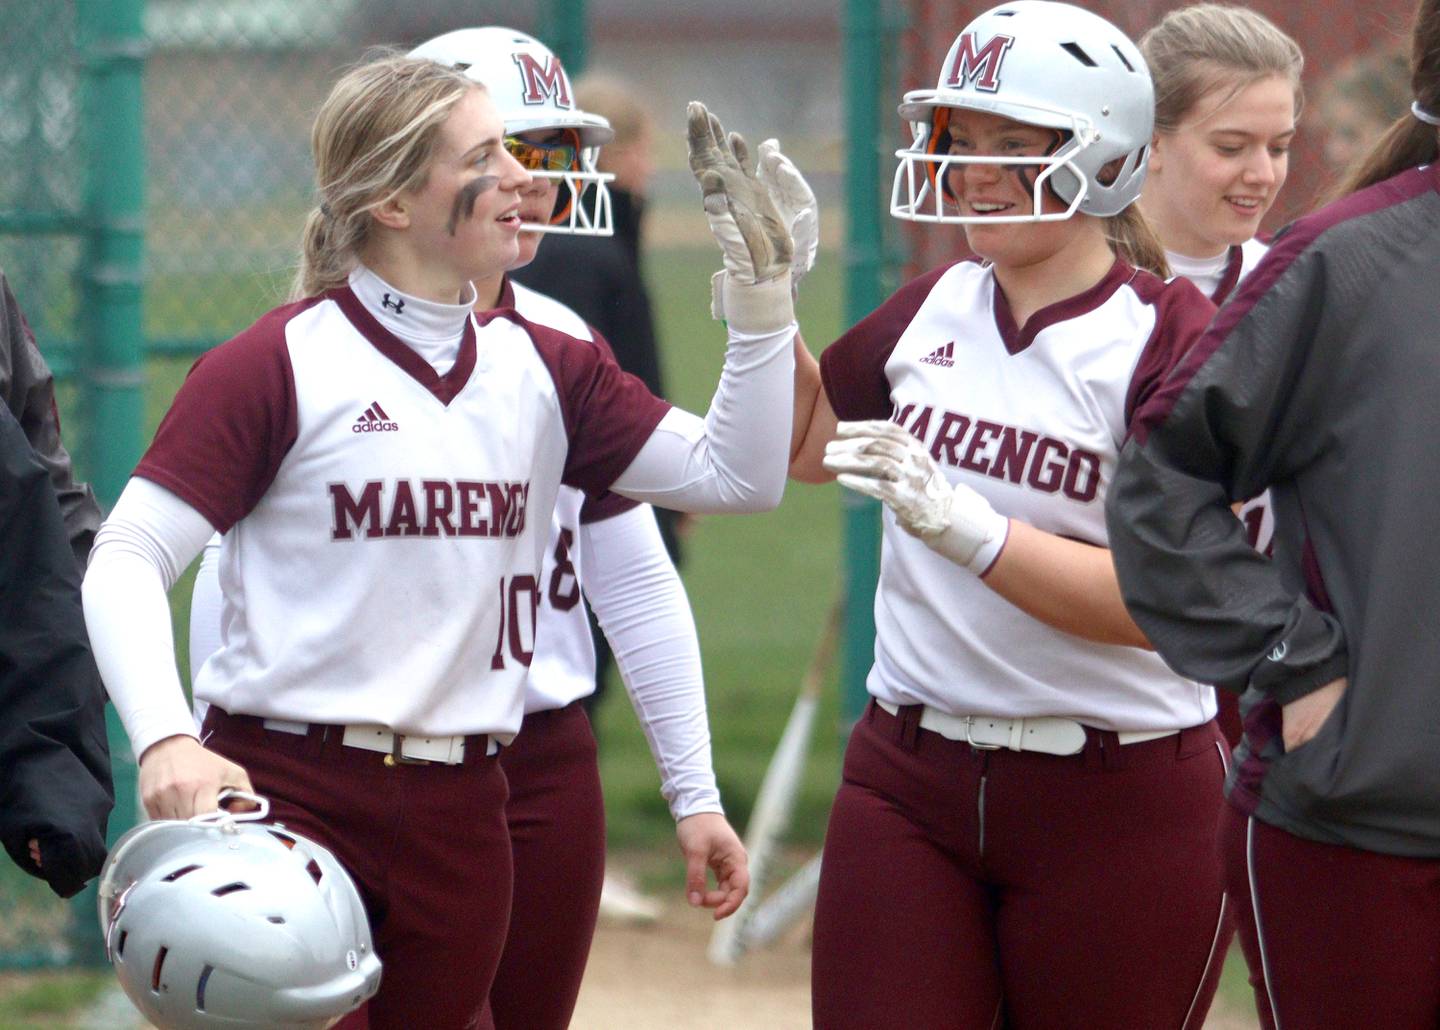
[(1336, 938), (427, 846), (557, 838), (963, 888)]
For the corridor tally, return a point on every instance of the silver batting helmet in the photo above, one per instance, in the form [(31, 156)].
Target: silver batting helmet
[(529, 85), (224, 922), (1041, 63)]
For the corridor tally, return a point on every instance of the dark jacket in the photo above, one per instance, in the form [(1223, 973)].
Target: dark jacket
[(1318, 380), (54, 760), (28, 390)]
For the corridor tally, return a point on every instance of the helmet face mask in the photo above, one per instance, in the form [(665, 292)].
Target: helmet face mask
[(530, 88), (1044, 64)]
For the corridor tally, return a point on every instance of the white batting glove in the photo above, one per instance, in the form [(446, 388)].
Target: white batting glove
[(754, 240), (882, 460), (795, 201)]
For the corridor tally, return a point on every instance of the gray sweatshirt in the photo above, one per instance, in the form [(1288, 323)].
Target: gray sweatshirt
[(1320, 379)]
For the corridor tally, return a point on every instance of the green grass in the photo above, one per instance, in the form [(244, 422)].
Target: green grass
[(44, 999), (759, 585)]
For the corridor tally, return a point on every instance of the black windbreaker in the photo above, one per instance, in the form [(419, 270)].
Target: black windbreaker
[(54, 761)]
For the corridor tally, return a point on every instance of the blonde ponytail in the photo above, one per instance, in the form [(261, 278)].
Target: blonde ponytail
[(1135, 241)]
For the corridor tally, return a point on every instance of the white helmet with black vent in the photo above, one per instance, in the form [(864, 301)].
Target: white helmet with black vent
[(225, 922), (528, 84), (1041, 63)]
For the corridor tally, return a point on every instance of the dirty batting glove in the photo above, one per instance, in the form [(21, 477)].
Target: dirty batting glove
[(795, 201), (754, 240), (881, 460)]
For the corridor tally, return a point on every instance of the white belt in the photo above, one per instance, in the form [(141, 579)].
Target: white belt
[(1046, 733), (397, 747)]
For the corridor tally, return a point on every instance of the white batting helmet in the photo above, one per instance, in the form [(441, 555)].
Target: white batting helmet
[(528, 84), (224, 922), (1041, 63)]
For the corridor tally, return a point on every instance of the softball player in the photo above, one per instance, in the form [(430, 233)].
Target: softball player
[(555, 809), (1024, 833), (1227, 92), (384, 466), (1313, 381)]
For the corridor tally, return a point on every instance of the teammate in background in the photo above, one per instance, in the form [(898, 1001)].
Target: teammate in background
[(55, 789), (1024, 832), (555, 809), (1316, 381), (28, 389), (600, 278), (1359, 102), (1227, 93), (384, 464)]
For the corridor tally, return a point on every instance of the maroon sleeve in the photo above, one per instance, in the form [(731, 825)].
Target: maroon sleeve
[(231, 424), (852, 368), (607, 505), (609, 413), (1181, 317)]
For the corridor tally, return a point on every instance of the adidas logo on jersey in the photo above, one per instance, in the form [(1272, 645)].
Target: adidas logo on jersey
[(942, 356), (374, 421)]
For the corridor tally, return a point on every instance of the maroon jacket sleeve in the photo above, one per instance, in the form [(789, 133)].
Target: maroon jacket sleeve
[(1181, 317), (231, 424), (609, 413), (607, 505), (852, 368)]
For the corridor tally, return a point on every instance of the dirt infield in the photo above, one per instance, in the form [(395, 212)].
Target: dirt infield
[(657, 978)]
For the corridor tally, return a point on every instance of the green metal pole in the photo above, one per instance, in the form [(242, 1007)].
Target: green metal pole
[(864, 291), (564, 28), (112, 54)]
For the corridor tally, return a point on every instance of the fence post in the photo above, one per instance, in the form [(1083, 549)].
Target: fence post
[(864, 290), (564, 28), (112, 49)]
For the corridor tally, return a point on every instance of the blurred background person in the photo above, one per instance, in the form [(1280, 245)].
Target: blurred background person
[(1359, 102), (601, 279)]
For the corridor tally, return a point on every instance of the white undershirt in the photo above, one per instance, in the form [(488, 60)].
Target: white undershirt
[(1205, 273)]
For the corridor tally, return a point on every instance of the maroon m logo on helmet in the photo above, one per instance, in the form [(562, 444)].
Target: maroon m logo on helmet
[(541, 81), (978, 66)]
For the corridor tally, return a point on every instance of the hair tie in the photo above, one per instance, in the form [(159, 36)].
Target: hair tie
[(325, 211), (1428, 117)]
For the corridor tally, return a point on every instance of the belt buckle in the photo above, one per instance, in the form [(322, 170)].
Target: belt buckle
[(969, 739), (395, 758)]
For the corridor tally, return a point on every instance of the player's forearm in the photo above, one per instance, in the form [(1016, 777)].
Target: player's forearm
[(807, 393), (139, 552), (734, 460), (1065, 584), (641, 605)]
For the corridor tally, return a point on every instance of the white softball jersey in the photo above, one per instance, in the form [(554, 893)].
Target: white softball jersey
[(1218, 278), (381, 560), (1034, 421)]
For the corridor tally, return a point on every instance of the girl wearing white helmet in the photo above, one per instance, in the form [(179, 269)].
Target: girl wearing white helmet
[(1024, 834), (383, 464)]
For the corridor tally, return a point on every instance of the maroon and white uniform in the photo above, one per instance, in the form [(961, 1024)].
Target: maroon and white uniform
[(940, 854), (384, 470)]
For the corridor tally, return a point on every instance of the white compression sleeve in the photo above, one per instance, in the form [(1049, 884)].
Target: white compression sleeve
[(736, 459), (205, 615), (641, 605), (142, 548)]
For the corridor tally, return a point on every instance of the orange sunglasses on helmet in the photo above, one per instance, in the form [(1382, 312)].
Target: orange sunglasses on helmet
[(558, 155)]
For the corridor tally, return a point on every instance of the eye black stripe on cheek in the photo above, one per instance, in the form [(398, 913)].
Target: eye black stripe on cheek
[(464, 205)]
